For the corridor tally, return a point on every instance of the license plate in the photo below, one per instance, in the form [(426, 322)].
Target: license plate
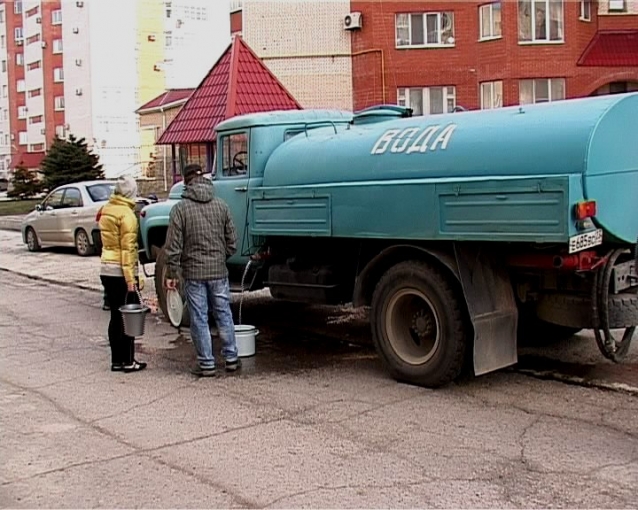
[(584, 241)]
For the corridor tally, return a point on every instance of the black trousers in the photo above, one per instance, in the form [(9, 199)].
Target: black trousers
[(122, 346)]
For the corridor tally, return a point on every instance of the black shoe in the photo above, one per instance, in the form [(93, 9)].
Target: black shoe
[(117, 367), (203, 372), (136, 366), (233, 366)]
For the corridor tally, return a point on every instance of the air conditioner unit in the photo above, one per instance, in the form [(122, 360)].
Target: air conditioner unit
[(76, 30), (78, 62), (38, 20), (78, 92), (79, 4), (352, 21), (43, 44), (19, 42)]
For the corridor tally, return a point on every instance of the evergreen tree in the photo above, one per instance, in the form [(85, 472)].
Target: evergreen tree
[(69, 161), (25, 183)]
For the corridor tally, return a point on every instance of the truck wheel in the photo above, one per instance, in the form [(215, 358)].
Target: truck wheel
[(418, 325), (575, 311), (160, 277)]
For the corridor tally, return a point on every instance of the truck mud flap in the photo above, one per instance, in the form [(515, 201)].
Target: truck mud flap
[(491, 305)]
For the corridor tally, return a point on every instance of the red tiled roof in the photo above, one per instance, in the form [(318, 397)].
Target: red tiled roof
[(167, 98), (29, 160), (238, 83), (612, 48)]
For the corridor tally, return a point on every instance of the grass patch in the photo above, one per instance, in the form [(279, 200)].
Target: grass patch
[(13, 207)]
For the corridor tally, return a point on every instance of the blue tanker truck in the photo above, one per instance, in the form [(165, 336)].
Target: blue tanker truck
[(460, 231)]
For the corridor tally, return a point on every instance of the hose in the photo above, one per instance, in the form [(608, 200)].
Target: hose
[(607, 344)]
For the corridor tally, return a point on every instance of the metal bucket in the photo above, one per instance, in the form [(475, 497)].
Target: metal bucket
[(245, 337), (134, 318)]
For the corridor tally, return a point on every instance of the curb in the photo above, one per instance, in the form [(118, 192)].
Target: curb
[(49, 280)]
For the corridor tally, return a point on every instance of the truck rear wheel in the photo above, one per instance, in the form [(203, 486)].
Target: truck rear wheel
[(160, 278), (418, 325)]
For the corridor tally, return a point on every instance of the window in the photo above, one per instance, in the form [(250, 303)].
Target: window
[(72, 198), (54, 200), (234, 155), (4, 66), (59, 131), (2, 16), (57, 45), (4, 91), (491, 95), (33, 65), (18, 34), (617, 5), (19, 59), (424, 29), (58, 74), (585, 10), (540, 20), (168, 9), (22, 138), (35, 92), (100, 192), (193, 153), (3, 41), (36, 147), (428, 100), (20, 86), (17, 7), (35, 120), (33, 39), (56, 17), (22, 112), (490, 20), (59, 103), (541, 90), (168, 39)]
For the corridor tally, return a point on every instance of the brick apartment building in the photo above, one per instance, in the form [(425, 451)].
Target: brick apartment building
[(433, 56)]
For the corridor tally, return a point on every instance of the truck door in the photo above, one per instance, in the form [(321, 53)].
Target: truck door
[(232, 179)]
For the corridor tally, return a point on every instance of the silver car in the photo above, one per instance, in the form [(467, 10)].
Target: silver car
[(67, 217)]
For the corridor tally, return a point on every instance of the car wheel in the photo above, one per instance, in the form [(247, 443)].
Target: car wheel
[(32, 240), (82, 244)]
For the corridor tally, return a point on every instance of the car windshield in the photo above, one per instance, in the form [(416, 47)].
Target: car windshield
[(100, 192)]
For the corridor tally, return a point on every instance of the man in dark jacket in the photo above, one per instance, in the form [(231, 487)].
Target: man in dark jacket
[(201, 236)]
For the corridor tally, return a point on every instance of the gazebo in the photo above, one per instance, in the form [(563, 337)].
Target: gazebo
[(238, 83)]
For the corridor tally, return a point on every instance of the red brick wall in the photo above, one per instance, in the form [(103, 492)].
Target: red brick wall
[(49, 62), (236, 22), (471, 62)]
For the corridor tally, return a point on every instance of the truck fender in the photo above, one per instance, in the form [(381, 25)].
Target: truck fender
[(487, 291), (372, 272)]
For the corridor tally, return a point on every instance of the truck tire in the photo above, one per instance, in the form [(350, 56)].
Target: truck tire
[(160, 277), (419, 326), (575, 311)]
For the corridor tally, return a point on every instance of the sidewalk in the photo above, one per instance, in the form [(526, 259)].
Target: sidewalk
[(56, 266), (11, 223)]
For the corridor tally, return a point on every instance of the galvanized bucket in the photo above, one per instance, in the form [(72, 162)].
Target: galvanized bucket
[(134, 317)]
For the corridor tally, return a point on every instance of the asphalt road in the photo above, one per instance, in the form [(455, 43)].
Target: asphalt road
[(312, 421)]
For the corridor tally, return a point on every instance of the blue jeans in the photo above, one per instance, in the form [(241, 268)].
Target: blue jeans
[(214, 295)]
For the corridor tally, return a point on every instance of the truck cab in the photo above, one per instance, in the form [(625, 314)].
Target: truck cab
[(244, 145)]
